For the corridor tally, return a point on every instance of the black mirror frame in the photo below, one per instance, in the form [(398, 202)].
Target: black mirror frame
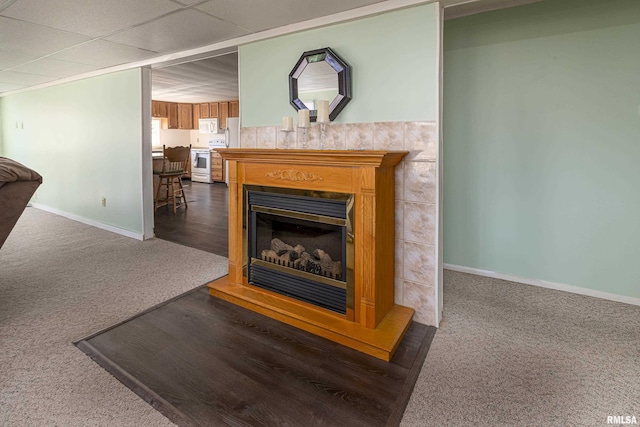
[(344, 82)]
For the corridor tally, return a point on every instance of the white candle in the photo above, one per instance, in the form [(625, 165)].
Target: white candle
[(323, 111), (303, 118), (287, 123)]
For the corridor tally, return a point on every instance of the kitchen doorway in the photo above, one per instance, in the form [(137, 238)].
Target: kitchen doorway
[(183, 97)]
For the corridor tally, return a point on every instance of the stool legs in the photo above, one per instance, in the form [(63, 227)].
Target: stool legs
[(173, 194), (156, 200), (184, 199)]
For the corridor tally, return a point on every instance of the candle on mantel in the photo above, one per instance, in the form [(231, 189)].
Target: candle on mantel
[(323, 111), (303, 118), (287, 123)]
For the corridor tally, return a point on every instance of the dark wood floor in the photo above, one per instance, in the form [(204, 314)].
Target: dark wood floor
[(203, 224), (203, 361)]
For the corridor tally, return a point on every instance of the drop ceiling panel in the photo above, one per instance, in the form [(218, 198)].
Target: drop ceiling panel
[(32, 39), (180, 31), (102, 53), (23, 79), (89, 17), (263, 15), (6, 87), (54, 68), (11, 59)]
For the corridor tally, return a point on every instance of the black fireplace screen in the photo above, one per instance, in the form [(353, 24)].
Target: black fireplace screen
[(298, 244)]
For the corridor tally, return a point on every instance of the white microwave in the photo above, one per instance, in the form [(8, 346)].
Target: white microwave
[(208, 125)]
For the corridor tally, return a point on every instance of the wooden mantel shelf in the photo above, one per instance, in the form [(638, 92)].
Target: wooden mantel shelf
[(375, 158), (373, 323)]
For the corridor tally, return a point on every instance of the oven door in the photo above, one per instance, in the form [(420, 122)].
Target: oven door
[(200, 166)]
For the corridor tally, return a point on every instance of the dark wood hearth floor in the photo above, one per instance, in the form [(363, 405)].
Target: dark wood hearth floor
[(203, 361), (203, 224)]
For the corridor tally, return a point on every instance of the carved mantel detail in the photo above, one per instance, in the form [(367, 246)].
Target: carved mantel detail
[(294, 175)]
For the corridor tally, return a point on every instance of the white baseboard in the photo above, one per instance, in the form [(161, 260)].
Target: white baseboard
[(111, 228), (545, 284)]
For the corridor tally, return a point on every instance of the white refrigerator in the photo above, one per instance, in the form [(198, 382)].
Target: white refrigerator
[(232, 140)]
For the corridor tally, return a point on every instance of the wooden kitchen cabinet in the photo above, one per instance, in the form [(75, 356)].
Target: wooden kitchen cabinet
[(205, 111), (196, 116), (172, 115), (213, 110), (234, 108), (185, 116), (217, 167), (223, 113), (208, 110), (158, 109)]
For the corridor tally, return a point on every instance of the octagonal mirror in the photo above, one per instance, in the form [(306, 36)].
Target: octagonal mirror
[(320, 75)]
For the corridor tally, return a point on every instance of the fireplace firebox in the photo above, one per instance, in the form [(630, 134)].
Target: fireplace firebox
[(311, 243), (300, 244)]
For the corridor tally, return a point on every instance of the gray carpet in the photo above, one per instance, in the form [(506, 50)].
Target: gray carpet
[(508, 354), (61, 280)]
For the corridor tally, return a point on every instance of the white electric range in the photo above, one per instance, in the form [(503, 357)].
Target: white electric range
[(201, 160)]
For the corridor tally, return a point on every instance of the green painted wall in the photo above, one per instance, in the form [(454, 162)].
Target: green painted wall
[(394, 68), (84, 138), (542, 141)]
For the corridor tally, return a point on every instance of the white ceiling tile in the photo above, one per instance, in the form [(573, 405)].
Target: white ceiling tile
[(183, 30), (54, 68), (7, 87), (11, 59), (89, 17), (262, 15), (25, 79), (102, 53), (32, 39)]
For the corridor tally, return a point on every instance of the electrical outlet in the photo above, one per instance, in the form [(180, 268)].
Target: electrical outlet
[(104, 202)]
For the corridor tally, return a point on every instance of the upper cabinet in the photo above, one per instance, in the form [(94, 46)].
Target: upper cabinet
[(213, 108), (158, 109), (172, 115), (196, 116), (186, 116), (234, 108), (223, 113), (179, 115), (205, 110), (227, 109)]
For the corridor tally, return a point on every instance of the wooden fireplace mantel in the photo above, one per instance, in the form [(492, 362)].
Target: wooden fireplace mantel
[(361, 158), (376, 324)]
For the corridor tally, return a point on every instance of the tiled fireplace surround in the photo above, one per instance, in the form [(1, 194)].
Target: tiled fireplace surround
[(415, 194)]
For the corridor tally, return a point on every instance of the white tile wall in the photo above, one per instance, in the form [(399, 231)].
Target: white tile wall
[(415, 193)]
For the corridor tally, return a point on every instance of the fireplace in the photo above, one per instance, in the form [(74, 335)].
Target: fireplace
[(299, 243), (311, 243)]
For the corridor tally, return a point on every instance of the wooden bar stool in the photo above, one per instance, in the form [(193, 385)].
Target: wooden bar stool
[(174, 166)]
